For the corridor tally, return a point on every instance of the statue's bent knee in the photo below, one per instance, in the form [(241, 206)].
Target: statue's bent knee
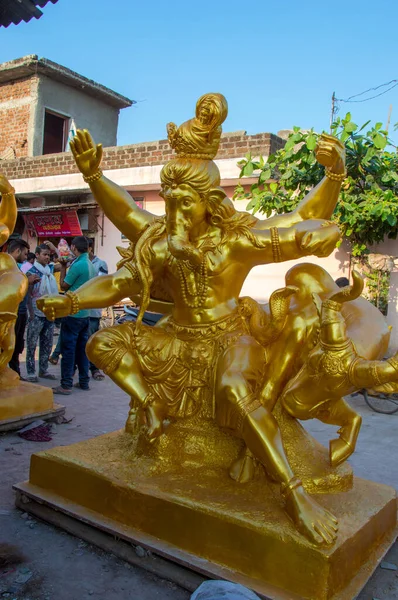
[(95, 344), (226, 386), (106, 347), (294, 407)]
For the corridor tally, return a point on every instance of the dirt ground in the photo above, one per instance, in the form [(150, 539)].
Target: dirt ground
[(58, 566)]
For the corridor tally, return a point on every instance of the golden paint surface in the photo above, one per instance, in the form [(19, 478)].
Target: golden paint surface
[(213, 458), (202, 511), (23, 399), (13, 283)]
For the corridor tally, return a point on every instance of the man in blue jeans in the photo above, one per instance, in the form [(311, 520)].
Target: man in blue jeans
[(40, 329), (19, 250), (75, 328), (101, 268)]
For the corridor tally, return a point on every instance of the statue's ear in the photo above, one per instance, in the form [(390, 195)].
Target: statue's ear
[(318, 303), (221, 204), (218, 195)]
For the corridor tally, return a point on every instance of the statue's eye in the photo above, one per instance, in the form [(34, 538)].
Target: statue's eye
[(187, 203)]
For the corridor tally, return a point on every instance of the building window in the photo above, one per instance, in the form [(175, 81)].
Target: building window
[(139, 200), (56, 129)]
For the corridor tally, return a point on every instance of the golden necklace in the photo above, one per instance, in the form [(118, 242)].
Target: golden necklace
[(196, 297)]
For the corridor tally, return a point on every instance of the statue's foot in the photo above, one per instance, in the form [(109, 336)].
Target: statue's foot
[(154, 416), (132, 422), (341, 448), (242, 470), (316, 523), (339, 451)]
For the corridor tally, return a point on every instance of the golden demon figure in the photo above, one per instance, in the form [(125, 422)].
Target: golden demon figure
[(332, 370), (210, 356)]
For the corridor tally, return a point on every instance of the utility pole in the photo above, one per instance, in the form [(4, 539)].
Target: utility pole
[(333, 110)]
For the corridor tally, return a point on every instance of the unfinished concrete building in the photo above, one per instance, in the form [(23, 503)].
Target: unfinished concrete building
[(41, 103)]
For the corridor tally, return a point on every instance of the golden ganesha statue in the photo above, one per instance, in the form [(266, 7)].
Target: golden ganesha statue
[(216, 356), (13, 285)]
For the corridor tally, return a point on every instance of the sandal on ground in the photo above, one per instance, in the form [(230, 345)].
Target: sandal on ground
[(62, 391), (97, 375), (32, 379), (79, 387), (53, 360), (47, 376)]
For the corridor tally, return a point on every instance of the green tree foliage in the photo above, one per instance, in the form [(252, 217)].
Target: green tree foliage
[(367, 210), (377, 287)]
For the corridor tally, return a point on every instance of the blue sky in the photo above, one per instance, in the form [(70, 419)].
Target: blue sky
[(276, 62)]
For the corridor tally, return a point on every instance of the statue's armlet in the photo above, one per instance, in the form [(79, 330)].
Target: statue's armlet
[(267, 246)]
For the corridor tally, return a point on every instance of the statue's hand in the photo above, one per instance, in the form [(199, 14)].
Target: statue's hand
[(317, 237), (55, 307), (87, 154), (330, 153), (5, 185)]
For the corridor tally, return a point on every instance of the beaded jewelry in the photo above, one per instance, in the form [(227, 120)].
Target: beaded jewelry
[(74, 301), (201, 284), (90, 178), (335, 176), (8, 194)]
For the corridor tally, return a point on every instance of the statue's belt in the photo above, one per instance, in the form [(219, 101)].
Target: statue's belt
[(224, 325)]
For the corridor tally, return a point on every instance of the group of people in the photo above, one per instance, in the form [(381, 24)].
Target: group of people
[(47, 273)]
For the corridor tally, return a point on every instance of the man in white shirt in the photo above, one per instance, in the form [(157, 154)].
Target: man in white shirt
[(40, 329)]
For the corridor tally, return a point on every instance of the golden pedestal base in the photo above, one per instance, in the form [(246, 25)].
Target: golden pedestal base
[(199, 517), (23, 399)]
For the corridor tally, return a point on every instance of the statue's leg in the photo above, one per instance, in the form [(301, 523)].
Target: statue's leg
[(112, 350), (238, 407), (300, 404), (282, 358), (338, 412)]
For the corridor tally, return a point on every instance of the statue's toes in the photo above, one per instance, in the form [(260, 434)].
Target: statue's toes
[(327, 534)]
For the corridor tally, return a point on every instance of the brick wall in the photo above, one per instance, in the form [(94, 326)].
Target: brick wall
[(15, 104), (233, 145)]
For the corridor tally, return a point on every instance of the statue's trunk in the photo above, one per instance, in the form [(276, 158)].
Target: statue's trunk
[(181, 247)]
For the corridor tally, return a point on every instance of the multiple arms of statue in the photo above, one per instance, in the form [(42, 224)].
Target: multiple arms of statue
[(8, 209), (321, 201), (97, 293), (116, 203)]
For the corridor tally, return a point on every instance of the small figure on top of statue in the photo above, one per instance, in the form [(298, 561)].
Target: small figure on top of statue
[(217, 356)]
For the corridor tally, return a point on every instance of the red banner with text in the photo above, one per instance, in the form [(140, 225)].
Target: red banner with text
[(54, 224)]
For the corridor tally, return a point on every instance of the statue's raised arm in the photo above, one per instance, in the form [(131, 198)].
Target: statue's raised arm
[(321, 201), (116, 202), (8, 209)]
